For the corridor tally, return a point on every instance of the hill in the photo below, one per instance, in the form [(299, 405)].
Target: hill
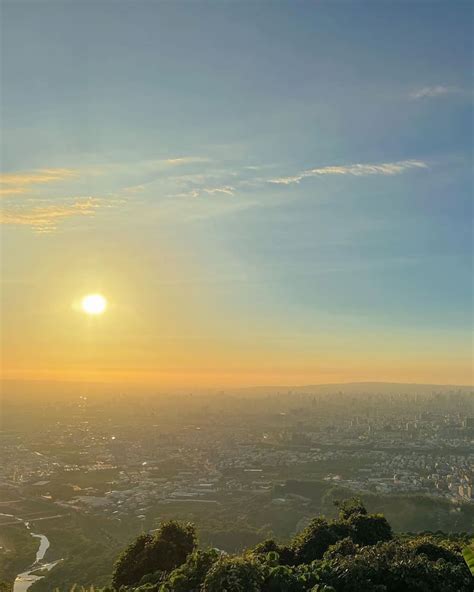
[(358, 388), (355, 552)]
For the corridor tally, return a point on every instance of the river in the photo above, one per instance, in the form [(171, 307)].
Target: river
[(26, 579)]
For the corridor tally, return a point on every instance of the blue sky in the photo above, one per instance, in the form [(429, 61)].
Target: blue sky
[(302, 171)]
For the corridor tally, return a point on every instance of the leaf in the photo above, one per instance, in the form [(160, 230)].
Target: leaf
[(468, 554)]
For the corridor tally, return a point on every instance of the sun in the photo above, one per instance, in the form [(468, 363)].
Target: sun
[(94, 304)]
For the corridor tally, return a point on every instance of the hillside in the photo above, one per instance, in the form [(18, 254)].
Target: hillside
[(355, 552)]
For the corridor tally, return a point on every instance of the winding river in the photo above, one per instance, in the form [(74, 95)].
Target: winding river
[(26, 579)]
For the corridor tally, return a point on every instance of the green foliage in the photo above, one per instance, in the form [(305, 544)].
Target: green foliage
[(283, 578), (190, 576), (354, 523), (369, 529), (354, 553), (234, 574), (435, 549), (342, 548), (393, 567), (468, 554), (163, 551), (134, 562), (316, 539), (286, 554), (85, 589), (93, 563), (350, 507), (18, 549)]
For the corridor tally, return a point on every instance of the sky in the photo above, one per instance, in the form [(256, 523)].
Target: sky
[(265, 192)]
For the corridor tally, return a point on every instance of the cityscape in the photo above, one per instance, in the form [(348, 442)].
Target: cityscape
[(236, 296), (243, 465), (219, 448)]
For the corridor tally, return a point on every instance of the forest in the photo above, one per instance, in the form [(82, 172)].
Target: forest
[(355, 551)]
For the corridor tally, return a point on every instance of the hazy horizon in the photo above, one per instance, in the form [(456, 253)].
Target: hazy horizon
[(236, 295), (61, 389)]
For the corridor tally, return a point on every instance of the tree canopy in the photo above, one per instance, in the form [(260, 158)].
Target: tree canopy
[(355, 552), (161, 552)]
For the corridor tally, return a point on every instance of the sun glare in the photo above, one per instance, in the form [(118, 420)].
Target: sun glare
[(94, 304)]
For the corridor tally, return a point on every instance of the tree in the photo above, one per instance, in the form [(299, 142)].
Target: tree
[(369, 529), (189, 577), (435, 549), (341, 548), (133, 563), (348, 508), (164, 551), (282, 578), (316, 539), (286, 553), (393, 566), (354, 553), (234, 574)]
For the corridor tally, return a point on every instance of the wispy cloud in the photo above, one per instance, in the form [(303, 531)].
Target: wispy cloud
[(226, 190), (192, 193), (45, 219), (429, 92), (197, 192), (186, 160), (12, 190), (21, 182), (43, 211), (211, 185), (18, 183), (356, 170)]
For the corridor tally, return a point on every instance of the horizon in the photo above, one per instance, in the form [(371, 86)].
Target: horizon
[(236, 295), (47, 389)]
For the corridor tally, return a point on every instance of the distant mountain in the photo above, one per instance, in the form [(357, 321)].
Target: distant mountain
[(382, 388)]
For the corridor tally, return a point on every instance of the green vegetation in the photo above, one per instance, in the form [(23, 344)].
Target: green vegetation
[(354, 552), (468, 554), (17, 550), (405, 512), (161, 552), (89, 544)]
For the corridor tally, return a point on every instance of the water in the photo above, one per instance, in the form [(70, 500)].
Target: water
[(44, 546), (26, 579)]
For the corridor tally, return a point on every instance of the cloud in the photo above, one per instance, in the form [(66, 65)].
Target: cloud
[(134, 189), (185, 160), (226, 190), (356, 170), (191, 193), (197, 192), (288, 180), (45, 219), (19, 183), (39, 211), (13, 191), (22, 182), (429, 92)]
